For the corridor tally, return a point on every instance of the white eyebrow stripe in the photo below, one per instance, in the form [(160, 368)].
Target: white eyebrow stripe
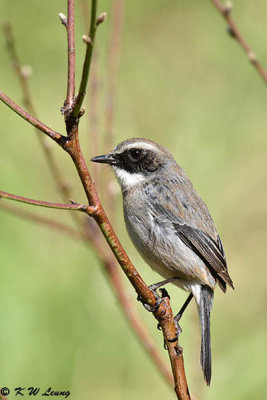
[(142, 145), (126, 179)]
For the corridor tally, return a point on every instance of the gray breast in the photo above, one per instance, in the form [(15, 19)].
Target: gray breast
[(154, 237)]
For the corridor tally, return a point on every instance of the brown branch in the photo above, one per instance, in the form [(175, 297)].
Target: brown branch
[(225, 11), (90, 210), (109, 264), (57, 137), (72, 146), (71, 56), (175, 351)]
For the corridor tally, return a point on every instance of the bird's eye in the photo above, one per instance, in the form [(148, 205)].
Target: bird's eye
[(135, 154)]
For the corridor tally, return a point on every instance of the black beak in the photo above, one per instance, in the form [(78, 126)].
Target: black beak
[(104, 159)]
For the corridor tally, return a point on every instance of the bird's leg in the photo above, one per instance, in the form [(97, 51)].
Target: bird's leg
[(154, 288), (180, 313)]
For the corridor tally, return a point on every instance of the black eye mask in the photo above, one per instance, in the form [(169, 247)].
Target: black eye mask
[(138, 160)]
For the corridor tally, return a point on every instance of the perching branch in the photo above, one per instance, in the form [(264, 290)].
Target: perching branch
[(225, 11), (174, 350), (72, 146), (84, 231)]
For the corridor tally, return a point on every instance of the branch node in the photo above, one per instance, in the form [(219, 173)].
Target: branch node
[(101, 18), (63, 19), (81, 207), (26, 71), (86, 39), (252, 58), (228, 7), (92, 210), (81, 112), (231, 32)]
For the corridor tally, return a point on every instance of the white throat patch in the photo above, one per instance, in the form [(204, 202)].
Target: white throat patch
[(126, 179)]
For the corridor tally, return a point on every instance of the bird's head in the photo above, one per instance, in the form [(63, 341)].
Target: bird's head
[(135, 160)]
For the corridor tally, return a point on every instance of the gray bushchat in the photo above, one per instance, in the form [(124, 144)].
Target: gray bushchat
[(171, 227)]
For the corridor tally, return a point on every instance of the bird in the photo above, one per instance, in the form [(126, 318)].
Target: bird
[(171, 227)]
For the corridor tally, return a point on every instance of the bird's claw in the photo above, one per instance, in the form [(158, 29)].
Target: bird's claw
[(158, 298), (148, 307)]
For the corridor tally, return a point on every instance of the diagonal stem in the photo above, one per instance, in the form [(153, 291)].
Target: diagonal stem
[(225, 11), (72, 146), (87, 61), (57, 137)]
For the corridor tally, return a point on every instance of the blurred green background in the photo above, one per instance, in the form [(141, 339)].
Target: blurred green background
[(185, 83)]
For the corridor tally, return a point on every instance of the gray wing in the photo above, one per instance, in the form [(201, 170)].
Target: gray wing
[(210, 251), (176, 200)]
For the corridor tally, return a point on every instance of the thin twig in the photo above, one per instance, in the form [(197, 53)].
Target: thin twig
[(225, 11), (10, 42), (87, 61), (90, 210), (71, 56), (57, 137)]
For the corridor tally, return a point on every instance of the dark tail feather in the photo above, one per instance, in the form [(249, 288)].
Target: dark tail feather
[(206, 298)]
